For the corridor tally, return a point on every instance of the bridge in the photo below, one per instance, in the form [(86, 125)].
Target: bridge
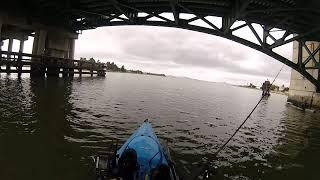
[(274, 23)]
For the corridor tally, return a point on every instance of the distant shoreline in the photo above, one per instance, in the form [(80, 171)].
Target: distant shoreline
[(276, 92), (143, 73), (248, 87), (155, 74)]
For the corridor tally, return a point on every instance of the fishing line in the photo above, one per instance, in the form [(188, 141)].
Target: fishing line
[(237, 130), (206, 171)]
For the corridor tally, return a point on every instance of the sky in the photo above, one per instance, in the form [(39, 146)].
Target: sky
[(183, 53)]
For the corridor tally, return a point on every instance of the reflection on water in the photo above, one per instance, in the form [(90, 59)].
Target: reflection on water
[(33, 125), (49, 128)]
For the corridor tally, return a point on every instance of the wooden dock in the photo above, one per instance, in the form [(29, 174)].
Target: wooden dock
[(36, 65)]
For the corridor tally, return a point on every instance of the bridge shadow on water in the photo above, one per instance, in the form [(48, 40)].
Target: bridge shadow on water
[(33, 128)]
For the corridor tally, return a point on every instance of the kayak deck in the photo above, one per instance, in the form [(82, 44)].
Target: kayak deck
[(146, 144), (141, 157)]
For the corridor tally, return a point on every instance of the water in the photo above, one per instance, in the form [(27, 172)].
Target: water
[(50, 128)]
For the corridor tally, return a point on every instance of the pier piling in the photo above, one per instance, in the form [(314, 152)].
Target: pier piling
[(38, 65)]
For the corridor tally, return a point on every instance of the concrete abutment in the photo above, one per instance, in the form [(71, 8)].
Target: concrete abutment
[(53, 43), (302, 92)]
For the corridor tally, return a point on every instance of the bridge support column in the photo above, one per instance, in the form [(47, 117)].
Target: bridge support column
[(38, 68), (60, 44), (8, 65), (71, 48), (1, 42), (65, 72), (71, 56), (53, 71), (55, 43), (302, 92), (21, 47)]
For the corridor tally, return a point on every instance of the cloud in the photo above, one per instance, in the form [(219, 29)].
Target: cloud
[(170, 50)]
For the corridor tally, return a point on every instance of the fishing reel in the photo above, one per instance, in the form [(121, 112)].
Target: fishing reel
[(102, 167), (209, 173), (106, 165)]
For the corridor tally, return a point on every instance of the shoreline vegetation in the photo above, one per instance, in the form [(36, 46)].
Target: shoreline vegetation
[(273, 89), (112, 67), (134, 72)]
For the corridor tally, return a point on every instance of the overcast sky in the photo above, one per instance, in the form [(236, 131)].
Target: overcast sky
[(184, 53)]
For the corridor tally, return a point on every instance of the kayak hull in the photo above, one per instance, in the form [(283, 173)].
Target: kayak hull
[(141, 157)]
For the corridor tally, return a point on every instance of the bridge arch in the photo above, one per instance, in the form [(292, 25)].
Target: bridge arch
[(263, 44)]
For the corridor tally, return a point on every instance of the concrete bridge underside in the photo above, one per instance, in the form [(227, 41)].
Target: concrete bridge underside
[(55, 25)]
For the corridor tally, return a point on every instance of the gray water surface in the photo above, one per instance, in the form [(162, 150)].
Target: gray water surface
[(50, 128)]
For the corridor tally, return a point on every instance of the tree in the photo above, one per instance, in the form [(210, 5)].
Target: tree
[(123, 69), (252, 86), (92, 60)]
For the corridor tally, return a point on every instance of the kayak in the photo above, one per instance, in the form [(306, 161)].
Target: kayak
[(141, 157)]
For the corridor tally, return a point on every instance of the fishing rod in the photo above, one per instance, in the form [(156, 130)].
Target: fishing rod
[(206, 168)]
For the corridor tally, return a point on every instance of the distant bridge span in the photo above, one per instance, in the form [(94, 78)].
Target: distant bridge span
[(294, 20)]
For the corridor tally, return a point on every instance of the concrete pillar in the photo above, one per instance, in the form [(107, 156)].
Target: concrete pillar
[(1, 42), (39, 46), (302, 92), (54, 43), (0, 26), (21, 47), (61, 44), (65, 72), (71, 55), (53, 71), (10, 45), (8, 65), (71, 48)]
